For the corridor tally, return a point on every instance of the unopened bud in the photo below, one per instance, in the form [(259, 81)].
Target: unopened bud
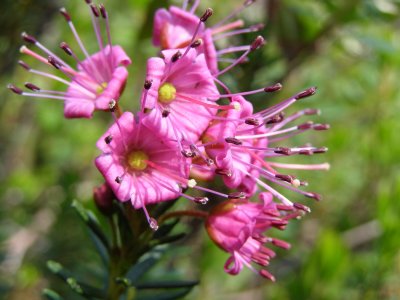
[(103, 197)]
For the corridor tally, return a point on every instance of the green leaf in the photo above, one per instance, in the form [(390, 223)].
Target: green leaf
[(77, 286), (91, 222), (169, 239), (167, 284), (51, 295), (145, 263), (166, 295)]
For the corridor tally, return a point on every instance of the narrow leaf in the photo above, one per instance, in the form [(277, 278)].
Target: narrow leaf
[(91, 222), (51, 295), (167, 284)]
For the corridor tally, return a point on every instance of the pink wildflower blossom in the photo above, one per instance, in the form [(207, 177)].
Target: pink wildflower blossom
[(241, 144), (179, 27), (181, 97), (99, 78), (239, 226), (139, 167)]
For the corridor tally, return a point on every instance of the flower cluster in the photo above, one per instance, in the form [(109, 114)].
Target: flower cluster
[(190, 126)]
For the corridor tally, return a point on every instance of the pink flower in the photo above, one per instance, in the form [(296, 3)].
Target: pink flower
[(140, 167), (176, 28), (179, 27), (99, 78), (234, 162), (242, 144), (181, 99), (238, 227)]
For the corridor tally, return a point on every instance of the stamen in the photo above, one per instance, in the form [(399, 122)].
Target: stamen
[(253, 28), (15, 89), (257, 43), (234, 13), (307, 93), (234, 105)]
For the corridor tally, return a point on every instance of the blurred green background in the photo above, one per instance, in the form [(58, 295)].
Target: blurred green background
[(347, 248)]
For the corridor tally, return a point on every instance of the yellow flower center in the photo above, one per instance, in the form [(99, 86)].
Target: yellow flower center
[(137, 160), (101, 87), (166, 93)]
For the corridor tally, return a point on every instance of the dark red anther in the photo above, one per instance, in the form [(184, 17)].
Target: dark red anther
[(321, 127), (176, 56), (273, 88), (66, 48), (237, 195), (208, 13), (306, 125), (196, 43), (284, 177), (257, 43), (28, 38), (65, 14), (301, 207), (320, 150), (307, 93), (24, 65), (54, 62), (188, 154), (32, 87), (88, 1), (282, 150), (303, 183), (252, 121), (15, 89), (108, 139), (103, 11), (275, 119), (232, 140), (118, 179), (95, 10), (257, 27), (201, 200), (147, 84), (309, 112), (209, 162), (112, 105), (165, 112), (315, 196), (223, 172)]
